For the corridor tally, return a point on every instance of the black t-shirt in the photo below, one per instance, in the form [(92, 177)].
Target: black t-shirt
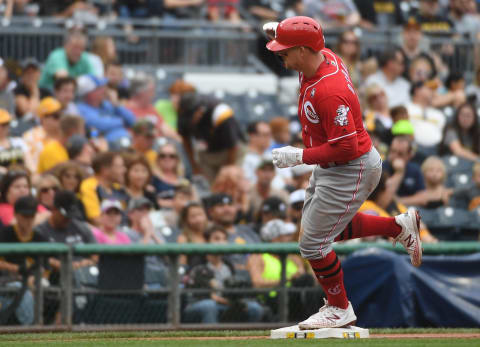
[(8, 234), (435, 24), (223, 135), (75, 233), (383, 13)]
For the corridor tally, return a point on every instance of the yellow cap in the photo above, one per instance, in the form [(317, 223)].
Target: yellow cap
[(4, 116), (48, 106)]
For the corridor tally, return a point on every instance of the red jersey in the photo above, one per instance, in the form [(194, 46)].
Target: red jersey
[(330, 113)]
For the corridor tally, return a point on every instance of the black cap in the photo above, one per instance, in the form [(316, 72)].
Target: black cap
[(135, 204), (66, 203), (275, 206), (265, 163), (75, 145), (30, 62), (219, 199), (26, 206)]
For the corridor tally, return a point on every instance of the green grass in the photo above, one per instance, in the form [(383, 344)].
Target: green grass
[(139, 338)]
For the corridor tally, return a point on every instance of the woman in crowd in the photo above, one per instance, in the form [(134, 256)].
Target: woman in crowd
[(47, 185), (377, 115), (348, 48), (231, 180), (193, 223), (462, 136), (102, 53), (70, 175), (138, 177), (168, 173), (110, 218), (436, 194), (15, 184)]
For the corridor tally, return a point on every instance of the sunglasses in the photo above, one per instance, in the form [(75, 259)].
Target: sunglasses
[(113, 212), (5, 125), (352, 42), (167, 155), (55, 116), (44, 190)]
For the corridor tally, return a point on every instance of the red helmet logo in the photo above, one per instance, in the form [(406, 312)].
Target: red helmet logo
[(298, 31)]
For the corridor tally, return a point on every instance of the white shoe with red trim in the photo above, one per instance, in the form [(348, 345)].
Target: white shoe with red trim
[(410, 235), (330, 317)]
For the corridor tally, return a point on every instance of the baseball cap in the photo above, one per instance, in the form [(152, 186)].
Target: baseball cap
[(297, 196), (75, 145), (276, 228), (274, 206), (219, 199), (66, 203), (134, 204), (403, 127), (48, 106), (30, 62), (88, 83), (5, 116), (26, 206), (412, 23), (110, 204), (144, 127)]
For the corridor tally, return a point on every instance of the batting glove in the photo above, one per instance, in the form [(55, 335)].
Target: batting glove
[(287, 156), (270, 29)]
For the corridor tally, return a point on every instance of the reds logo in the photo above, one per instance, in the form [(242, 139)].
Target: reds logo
[(310, 112), (341, 118), (334, 290)]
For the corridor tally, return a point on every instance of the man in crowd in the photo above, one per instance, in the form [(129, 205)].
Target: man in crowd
[(111, 121), (389, 77), (259, 139), (69, 60)]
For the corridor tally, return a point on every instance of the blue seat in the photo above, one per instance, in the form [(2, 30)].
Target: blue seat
[(456, 164)]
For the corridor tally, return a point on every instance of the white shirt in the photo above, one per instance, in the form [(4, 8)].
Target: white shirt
[(398, 91), (428, 124)]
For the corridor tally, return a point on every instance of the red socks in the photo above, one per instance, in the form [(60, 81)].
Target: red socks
[(330, 276), (363, 225)]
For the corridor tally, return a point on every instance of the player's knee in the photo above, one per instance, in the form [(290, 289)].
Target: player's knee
[(313, 245)]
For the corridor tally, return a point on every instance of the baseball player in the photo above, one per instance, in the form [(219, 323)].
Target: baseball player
[(347, 169)]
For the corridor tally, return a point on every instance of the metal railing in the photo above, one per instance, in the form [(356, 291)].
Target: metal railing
[(174, 291)]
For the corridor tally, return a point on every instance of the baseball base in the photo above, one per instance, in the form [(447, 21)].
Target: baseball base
[(293, 332)]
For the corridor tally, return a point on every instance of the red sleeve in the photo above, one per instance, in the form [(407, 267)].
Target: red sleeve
[(337, 121)]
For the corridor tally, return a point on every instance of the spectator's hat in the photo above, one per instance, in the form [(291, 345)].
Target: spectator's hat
[(48, 106), (110, 205), (402, 127), (66, 203), (300, 170), (297, 196), (275, 206), (266, 163), (75, 145), (144, 127), (135, 204), (26, 206), (5, 116), (219, 199), (412, 23), (30, 62), (88, 83), (276, 228)]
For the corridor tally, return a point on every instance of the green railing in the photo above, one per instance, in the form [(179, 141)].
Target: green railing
[(66, 253)]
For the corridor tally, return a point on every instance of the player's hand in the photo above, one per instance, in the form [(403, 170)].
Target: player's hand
[(287, 156), (270, 29)]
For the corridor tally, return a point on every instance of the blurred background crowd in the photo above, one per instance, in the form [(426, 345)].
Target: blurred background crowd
[(92, 154)]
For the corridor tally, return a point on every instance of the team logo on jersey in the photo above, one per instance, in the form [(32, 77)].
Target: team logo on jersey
[(341, 118), (310, 112), (312, 93)]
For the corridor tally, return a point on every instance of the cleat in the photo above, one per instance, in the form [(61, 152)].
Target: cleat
[(329, 317), (410, 235)]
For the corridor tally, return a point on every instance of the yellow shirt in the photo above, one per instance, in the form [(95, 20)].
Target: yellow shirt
[(89, 197), (35, 139), (151, 156), (52, 154)]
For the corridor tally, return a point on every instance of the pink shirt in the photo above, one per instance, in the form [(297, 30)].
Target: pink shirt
[(7, 213), (119, 238)]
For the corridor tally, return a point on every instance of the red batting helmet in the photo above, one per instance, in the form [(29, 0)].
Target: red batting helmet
[(298, 31)]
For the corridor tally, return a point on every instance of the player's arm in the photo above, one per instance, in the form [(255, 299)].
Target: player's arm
[(336, 119)]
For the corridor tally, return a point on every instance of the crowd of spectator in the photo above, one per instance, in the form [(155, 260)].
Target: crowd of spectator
[(89, 156)]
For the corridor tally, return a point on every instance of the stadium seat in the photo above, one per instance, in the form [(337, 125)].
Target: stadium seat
[(456, 164), (459, 180)]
